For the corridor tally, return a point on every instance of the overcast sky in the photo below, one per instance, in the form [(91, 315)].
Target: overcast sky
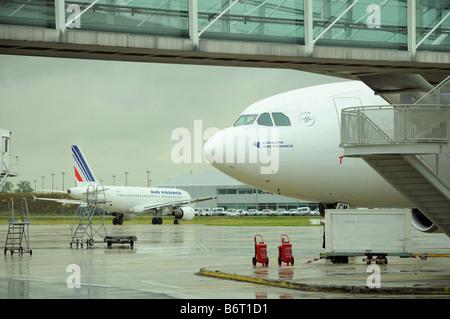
[(122, 114)]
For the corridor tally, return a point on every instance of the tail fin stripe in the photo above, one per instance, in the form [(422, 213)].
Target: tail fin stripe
[(76, 157), (77, 175), (81, 169), (82, 165)]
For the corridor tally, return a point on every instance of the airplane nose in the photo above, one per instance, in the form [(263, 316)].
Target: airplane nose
[(215, 151)]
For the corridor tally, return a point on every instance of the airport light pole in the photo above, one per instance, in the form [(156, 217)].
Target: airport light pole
[(114, 180), (148, 178), (63, 173), (126, 178)]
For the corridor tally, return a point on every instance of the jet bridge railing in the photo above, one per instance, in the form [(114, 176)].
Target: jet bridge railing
[(440, 94), (395, 124), (401, 125)]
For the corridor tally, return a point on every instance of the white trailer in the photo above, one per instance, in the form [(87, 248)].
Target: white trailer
[(367, 232)]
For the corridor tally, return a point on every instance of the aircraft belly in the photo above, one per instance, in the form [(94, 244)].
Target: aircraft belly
[(355, 183)]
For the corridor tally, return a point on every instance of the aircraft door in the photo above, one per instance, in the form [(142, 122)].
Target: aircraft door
[(5, 153)]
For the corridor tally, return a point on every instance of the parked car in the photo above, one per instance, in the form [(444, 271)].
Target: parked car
[(231, 212), (204, 212), (282, 212), (315, 212), (303, 211), (252, 212), (268, 212), (218, 211), (242, 212)]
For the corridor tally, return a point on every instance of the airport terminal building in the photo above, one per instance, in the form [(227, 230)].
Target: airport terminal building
[(231, 193)]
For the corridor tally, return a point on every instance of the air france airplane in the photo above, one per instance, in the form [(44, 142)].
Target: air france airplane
[(288, 144), (124, 201)]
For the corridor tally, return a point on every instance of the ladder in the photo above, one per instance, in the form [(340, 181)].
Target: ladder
[(84, 226), (17, 239)]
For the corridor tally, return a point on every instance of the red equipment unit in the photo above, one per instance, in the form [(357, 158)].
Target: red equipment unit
[(285, 251), (260, 252)]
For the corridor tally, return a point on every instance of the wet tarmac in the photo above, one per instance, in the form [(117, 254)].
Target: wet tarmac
[(197, 261)]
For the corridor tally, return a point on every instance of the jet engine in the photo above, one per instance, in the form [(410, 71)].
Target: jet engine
[(184, 213), (422, 223)]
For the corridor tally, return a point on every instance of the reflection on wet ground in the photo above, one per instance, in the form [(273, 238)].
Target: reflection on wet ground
[(165, 260)]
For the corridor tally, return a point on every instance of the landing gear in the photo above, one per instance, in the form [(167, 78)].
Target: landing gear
[(324, 206), (118, 219), (157, 221), (176, 221), (339, 259)]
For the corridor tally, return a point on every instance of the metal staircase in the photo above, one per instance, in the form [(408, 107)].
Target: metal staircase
[(408, 175), (84, 227), (17, 239), (408, 145)]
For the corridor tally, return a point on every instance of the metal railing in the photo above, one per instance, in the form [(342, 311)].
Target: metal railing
[(395, 124), (439, 95)]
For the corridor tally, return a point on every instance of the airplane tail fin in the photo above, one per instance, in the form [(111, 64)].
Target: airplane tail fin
[(83, 172)]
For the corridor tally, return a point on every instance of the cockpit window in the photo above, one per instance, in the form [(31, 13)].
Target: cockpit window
[(245, 119), (265, 120), (280, 119)]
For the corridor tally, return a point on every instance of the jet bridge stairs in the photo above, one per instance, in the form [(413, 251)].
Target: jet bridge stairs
[(408, 145)]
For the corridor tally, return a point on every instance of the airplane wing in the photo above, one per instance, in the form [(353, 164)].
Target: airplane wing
[(53, 191), (60, 200), (201, 199), (171, 205)]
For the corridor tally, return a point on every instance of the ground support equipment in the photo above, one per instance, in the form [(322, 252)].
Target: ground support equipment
[(260, 251), (285, 251), (83, 228), (379, 258), (17, 239), (109, 240)]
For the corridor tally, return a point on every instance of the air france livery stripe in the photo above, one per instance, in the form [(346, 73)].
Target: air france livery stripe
[(83, 172)]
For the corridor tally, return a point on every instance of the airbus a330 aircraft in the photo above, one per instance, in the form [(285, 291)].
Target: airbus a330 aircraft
[(124, 201), (300, 131)]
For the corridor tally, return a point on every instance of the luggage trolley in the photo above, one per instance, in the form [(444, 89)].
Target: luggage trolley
[(285, 251), (260, 252)]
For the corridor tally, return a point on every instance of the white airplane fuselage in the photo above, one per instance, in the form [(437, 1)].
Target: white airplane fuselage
[(129, 200), (309, 160)]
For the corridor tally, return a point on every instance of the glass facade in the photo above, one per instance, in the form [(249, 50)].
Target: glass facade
[(263, 20), (433, 15), (156, 17), (366, 23), (35, 13), (252, 198), (349, 23)]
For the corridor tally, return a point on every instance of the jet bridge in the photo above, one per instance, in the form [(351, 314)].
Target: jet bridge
[(408, 145), (9, 165)]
